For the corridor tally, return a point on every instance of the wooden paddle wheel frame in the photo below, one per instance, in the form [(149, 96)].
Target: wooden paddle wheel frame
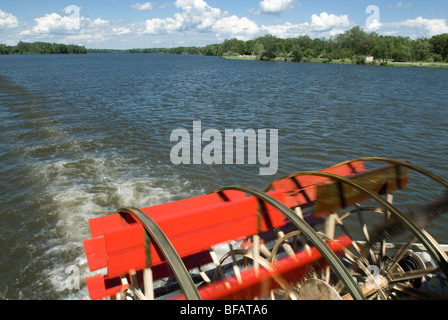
[(275, 247)]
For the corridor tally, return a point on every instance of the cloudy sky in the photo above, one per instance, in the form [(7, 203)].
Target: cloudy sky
[(122, 24)]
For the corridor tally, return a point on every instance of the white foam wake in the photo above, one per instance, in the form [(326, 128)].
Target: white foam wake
[(80, 189)]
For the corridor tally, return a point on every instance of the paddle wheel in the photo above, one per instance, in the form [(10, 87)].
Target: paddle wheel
[(333, 234)]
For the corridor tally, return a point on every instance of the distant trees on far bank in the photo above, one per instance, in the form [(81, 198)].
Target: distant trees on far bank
[(177, 50), (42, 48), (352, 44)]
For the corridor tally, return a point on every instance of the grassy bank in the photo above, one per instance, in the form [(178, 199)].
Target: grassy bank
[(241, 57), (347, 61), (418, 64)]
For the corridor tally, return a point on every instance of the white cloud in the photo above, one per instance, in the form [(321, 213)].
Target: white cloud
[(160, 26), (72, 28), (235, 27), (424, 27), (96, 31), (54, 23), (323, 25), (8, 20), (373, 25), (197, 15), (286, 30), (275, 6), (326, 21), (147, 6)]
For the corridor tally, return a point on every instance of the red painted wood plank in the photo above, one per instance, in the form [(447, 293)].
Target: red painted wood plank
[(190, 232), (97, 288), (96, 253), (188, 204), (125, 249), (99, 225)]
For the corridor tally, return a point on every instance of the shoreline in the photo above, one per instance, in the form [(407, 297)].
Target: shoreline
[(440, 65)]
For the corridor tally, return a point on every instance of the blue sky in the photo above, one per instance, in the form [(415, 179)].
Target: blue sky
[(123, 24)]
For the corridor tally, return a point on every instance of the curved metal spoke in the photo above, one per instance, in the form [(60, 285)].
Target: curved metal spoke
[(175, 262), (280, 242), (310, 234)]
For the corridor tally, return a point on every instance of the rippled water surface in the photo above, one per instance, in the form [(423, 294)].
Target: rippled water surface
[(84, 135)]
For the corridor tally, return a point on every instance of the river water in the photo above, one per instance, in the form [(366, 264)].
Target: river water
[(83, 135)]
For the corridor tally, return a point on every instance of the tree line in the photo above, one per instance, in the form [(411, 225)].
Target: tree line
[(177, 50), (355, 44), (42, 48)]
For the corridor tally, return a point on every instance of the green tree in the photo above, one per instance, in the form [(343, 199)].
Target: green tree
[(250, 46), (211, 50), (60, 49), (240, 47), (232, 46), (23, 47), (289, 45), (420, 50), (439, 45), (305, 42), (401, 53), (270, 46), (354, 40), (297, 53), (258, 48), (309, 53), (382, 49)]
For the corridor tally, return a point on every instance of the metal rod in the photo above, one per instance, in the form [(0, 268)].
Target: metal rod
[(168, 251)]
